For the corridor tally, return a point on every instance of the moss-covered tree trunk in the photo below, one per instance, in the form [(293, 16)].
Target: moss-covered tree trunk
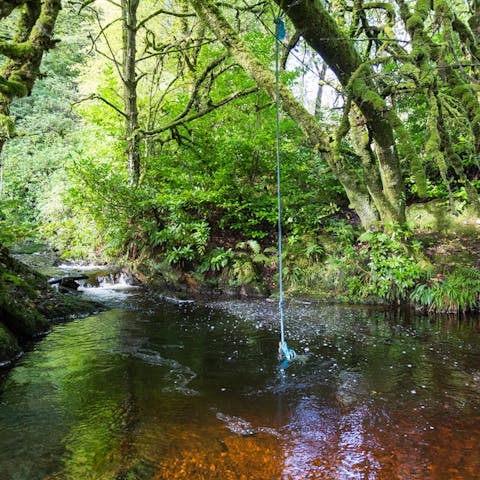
[(34, 36), (22, 56), (353, 184), (322, 33), (452, 37)]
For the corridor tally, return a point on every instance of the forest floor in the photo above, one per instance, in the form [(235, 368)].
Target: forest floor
[(447, 239), (450, 249)]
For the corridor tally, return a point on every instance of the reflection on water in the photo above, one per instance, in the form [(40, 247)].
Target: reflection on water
[(156, 390)]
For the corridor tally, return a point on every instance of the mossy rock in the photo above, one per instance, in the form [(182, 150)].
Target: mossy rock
[(58, 306), (9, 348), (28, 303), (434, 216), (20, 290), (22, 319)]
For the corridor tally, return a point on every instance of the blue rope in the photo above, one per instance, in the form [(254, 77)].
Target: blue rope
[(284, 352)]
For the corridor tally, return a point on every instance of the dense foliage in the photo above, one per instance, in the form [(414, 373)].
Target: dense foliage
[(153, 140)]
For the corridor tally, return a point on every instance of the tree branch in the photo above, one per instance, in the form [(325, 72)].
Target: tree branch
[(7, 6), (162, 11), (95, 96), (213, 106), (292, 43), (199, 82), (113, 58), (16, 50), (166, 51)]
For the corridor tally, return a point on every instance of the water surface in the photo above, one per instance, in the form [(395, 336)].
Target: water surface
[(153, 389)]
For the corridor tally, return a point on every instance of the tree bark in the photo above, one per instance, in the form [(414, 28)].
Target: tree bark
[(129, 20), (322, 72), (7, 6)]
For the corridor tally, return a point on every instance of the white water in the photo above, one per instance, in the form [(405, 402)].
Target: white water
[(82, 267), (107, 287)]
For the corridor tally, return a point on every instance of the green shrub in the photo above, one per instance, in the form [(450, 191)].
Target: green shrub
[(387, 265), (216, 260), (453, 292)]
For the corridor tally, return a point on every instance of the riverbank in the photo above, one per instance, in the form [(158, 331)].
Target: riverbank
[(342, 265), (28, 305), (432, 265)]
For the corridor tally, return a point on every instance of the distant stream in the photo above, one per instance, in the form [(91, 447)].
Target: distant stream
[(162, 388)]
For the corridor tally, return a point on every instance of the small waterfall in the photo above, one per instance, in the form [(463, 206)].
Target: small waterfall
[(109, 287), (112, 280), (103, 282)]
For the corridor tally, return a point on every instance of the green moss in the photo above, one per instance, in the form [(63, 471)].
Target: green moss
[(476, 121), (17, 87), (374, 99), (414, 22), (358, 87), (433, 216), (9, 88), (26, 300), (21, 318), (363, 94), (410, 154), (442, 7), (16, 50), (423, 7), (467, 95), (7, 127), (19, 290), (420, 53), (9, 347), (14, 279)]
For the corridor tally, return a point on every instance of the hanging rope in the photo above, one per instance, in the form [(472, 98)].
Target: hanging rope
[(284, 352)]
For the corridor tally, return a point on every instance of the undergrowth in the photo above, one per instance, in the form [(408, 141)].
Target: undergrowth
[(456, 291), (381, 267)]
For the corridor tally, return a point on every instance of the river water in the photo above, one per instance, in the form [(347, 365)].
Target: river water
[(158, 389)]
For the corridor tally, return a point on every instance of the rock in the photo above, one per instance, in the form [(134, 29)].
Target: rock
[(68, 281), (9, 347)]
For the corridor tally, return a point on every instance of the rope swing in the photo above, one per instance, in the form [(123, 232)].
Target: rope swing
[(284, 353)]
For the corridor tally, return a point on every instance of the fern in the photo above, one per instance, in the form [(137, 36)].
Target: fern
[(458, 291)]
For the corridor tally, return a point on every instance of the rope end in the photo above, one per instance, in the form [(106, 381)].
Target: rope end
[(285, 353)]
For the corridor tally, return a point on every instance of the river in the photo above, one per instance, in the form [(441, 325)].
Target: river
[(155, 388)]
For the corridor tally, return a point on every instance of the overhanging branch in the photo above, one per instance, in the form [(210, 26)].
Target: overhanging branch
[(95, 96), (162, 11), (186, 119)]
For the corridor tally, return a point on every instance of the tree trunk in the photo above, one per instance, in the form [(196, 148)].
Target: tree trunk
[(354, 186), (20, 70), (322, 72), (322, 33), (129, 20)]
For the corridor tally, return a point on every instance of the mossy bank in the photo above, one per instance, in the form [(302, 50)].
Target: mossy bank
[(28, 305)]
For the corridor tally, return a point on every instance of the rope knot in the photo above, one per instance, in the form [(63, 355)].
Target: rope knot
[(285, 353)]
